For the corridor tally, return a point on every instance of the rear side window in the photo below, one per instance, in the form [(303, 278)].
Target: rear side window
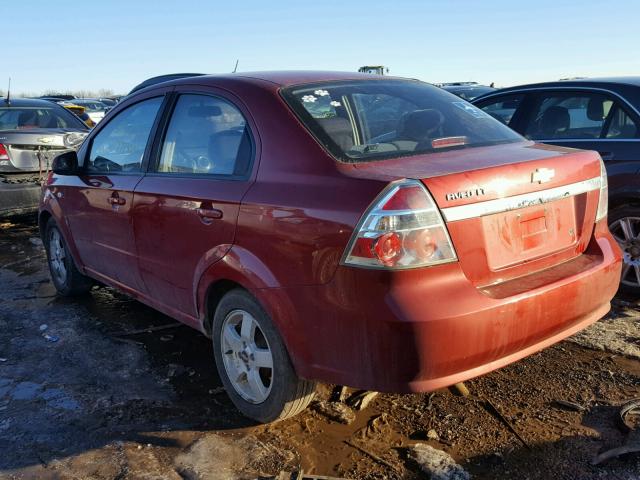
[(206, 136), (371, 119), (503, 108), (568, 116)]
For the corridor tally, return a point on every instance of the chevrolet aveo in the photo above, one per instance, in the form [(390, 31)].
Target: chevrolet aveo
[(364, 231)]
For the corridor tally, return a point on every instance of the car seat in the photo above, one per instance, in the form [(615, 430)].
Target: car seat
[(555, 120), (340, 131)]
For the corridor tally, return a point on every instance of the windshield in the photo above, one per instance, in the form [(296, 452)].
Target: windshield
[(372, 119), (24, 118)]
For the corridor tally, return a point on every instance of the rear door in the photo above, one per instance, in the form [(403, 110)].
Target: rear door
[(98, 203), (590, 120), (186, 207)]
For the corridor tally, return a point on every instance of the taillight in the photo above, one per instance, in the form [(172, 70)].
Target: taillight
[(603, 202), (402, 229), (4, 155)]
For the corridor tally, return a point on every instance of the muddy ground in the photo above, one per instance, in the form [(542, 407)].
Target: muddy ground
[(81, 397)]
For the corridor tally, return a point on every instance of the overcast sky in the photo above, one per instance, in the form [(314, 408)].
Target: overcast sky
[(72, 45)]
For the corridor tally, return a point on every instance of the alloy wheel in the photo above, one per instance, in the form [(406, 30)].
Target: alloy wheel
[(626, 231), (246, 355), (57, 256)]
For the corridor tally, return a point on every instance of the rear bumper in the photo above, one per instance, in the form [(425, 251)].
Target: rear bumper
[(19, 198), (420, 330)]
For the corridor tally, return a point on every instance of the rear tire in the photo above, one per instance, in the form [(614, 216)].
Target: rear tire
[(624, 224), (66, 277), (253, 362)]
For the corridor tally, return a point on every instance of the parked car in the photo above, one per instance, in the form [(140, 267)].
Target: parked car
[(56, 97), (94, 108), (79, 112), (265, 211), (162, 78), (594, 114), (109, 102), (466, 90), (31, 133)]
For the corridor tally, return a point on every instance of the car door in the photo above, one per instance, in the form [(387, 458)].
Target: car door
[(186, 207), (99, 203), (593, 120), (587, 119)]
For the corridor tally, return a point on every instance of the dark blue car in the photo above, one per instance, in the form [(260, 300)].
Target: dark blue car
[(600, 114)]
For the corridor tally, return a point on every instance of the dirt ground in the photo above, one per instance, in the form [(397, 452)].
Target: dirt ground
[(82, 397)]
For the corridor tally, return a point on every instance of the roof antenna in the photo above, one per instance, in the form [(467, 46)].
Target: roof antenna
[(9, 93), (235, 69)]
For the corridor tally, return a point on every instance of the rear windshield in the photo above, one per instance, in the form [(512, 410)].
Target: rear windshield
[(372, 119), (25, 118)]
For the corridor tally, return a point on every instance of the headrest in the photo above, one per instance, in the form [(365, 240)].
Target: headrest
[(554, 119), (420, 124), (595, 109)]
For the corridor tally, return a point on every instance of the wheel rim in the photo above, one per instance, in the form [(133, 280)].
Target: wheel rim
[(247, 356), (626, 231), (57, 256)]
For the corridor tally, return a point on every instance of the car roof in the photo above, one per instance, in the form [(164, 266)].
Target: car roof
[(277, 78), (26, 102), (610, 82)]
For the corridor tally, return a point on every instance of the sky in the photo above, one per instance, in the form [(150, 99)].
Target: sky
[(86, 45)]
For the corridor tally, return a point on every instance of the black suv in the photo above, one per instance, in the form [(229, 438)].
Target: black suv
[(594, 114)]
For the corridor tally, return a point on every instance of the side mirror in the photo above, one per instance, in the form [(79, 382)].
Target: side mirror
[(65, 163)]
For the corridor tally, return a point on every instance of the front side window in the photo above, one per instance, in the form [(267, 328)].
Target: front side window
[(371, 119), (502, 108), (119, 147), (568, 116), (206, 136)]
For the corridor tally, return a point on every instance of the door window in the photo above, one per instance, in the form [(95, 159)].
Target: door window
[(206, 136), (568, 116), (502, 108), (622, 125), (120, 145)]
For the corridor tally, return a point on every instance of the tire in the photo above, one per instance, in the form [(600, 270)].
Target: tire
[(66, 277), (243, 356), (624, 224)]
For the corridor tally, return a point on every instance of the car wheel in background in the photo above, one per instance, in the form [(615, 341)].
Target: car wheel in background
[(65, 276), (624, 224), (253, 362)]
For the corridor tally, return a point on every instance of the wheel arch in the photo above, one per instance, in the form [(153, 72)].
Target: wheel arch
[(241, 269)]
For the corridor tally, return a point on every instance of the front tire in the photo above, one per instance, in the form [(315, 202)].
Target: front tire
[(65, 276), (253, 362), (624, 224)]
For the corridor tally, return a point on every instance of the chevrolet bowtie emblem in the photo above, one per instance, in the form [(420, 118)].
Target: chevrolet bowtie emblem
[(542, 175), (45, 139)]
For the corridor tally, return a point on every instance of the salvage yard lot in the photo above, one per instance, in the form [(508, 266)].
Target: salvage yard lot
[(82, 395)]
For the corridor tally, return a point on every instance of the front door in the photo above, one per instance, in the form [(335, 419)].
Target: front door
[(186, 207), (99, 202)]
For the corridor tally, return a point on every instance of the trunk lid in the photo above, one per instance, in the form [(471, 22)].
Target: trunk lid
[(33, 150), (511, 210)]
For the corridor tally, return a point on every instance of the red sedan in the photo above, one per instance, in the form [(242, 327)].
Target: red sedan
[(360, 230)]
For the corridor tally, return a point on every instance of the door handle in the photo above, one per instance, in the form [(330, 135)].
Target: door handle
[(208, 215), (115, 199), (606, 155)]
